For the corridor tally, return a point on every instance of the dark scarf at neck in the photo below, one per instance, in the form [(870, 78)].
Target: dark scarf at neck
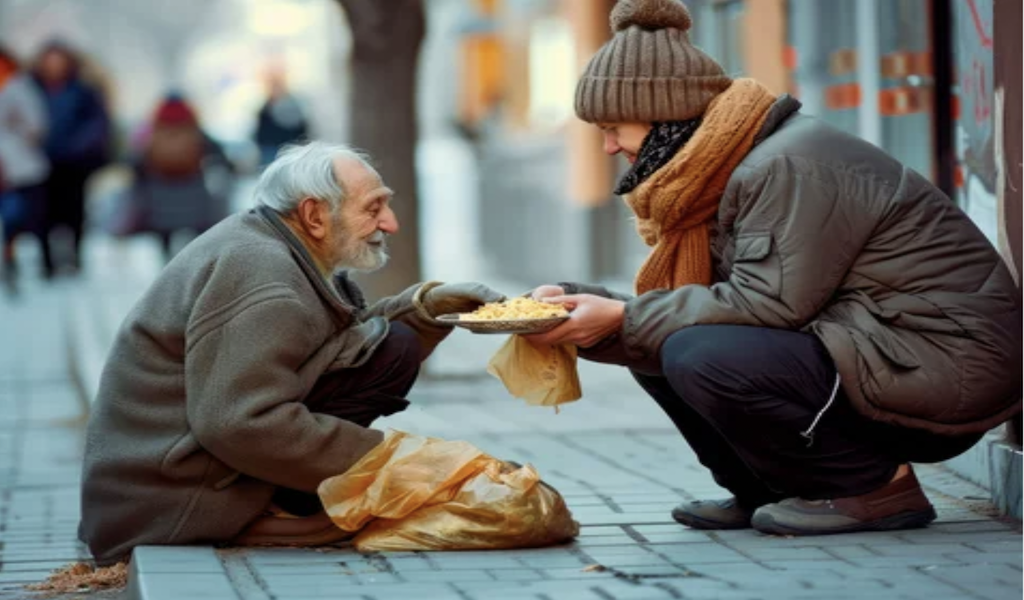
[(662, 142)]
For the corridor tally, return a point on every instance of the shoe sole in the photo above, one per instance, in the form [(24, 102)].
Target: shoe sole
[(695, 522), (765, 523)]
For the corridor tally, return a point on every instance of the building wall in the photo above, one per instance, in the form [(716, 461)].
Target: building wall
[(865, 66), (976, 128), (764, 51), (1009, 156)]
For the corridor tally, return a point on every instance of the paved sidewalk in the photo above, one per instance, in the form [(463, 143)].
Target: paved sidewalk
[(616, 459), (41, 414)]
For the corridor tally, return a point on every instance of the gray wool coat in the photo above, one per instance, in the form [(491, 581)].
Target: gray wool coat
[(820, 231), (200, 415)]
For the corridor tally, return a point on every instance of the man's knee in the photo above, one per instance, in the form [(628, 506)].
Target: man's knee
[(701, 363), (400, 348), (377, 387), (690, 351)]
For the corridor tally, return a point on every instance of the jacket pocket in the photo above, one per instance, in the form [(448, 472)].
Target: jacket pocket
[(187, 460), (750, 247), (182, 458), (894, 350), (755, 266), (226, 481), (885, 362)]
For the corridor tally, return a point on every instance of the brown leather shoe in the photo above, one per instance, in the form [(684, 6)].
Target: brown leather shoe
[(275, 530), (900, 504)]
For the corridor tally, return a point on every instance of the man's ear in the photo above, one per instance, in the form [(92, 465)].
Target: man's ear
[(313, 216)]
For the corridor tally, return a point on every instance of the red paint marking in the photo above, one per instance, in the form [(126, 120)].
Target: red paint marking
[(986, 41)]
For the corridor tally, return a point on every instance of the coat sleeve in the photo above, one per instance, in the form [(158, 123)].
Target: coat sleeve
[(405, 307), (572, 287), (797, 234), (244, 386), (91, 136)]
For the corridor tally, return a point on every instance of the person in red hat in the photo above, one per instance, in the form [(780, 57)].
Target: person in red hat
[(170, 191)]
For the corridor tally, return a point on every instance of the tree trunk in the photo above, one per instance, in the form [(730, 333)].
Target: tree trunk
[(385, 51)]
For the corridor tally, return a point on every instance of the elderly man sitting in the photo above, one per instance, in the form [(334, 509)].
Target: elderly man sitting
[(252, 368)]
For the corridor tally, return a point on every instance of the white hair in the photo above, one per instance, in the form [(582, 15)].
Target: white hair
[(305, 171)]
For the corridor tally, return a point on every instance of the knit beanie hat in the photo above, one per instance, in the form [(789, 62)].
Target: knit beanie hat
[(175, 111), (649, 71)]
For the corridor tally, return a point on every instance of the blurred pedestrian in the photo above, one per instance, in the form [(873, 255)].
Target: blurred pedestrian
[(252, 369), (23, 164), (171, 190), (77, 144), (281, 119), (813, 314)]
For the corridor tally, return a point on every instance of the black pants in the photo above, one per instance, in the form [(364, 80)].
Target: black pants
[(361, 395), (34, 222), (743, 397), (65, 205)]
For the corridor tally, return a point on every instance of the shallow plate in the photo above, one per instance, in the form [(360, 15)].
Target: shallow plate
[(505, 326)]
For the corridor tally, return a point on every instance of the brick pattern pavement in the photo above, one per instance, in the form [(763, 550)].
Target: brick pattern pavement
[(40, 440), (613, 455)]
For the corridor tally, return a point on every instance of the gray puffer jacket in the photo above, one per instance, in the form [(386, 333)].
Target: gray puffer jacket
[(823, 232)]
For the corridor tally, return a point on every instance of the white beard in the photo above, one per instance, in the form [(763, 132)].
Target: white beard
[(365, 255)]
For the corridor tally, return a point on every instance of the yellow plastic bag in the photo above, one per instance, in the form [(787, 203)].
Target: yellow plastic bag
[(542, 376), (419, 493)]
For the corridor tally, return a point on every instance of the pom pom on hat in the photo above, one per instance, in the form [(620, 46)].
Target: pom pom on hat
[(650, 15)]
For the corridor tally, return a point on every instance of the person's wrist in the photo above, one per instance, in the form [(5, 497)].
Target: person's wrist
[(422, 301), (620, 317), (568, 287)]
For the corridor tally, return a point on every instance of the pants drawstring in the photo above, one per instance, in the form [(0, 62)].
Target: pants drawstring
[(809, 434)]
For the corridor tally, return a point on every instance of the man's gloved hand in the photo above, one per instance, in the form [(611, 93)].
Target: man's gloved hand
[(451, 298)]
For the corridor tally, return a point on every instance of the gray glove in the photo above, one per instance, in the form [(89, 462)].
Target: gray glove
[(451, 298)]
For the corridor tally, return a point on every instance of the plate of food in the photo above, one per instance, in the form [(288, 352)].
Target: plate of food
[(516, 315)]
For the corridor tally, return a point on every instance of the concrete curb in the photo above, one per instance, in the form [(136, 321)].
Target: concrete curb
[(996, 466), (176, 572)]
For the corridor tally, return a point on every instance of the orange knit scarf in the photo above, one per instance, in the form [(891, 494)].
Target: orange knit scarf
[(676, 204)]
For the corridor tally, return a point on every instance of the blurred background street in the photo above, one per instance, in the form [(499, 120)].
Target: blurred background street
[(467, 109)]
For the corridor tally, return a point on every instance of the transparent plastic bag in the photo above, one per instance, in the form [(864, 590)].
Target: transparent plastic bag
[(419, 493), (543, 376)]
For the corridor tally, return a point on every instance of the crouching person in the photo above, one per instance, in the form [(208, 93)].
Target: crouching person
[(813, 315), (252, 368)]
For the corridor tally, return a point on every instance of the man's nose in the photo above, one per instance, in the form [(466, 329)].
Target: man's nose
[(388, 221)]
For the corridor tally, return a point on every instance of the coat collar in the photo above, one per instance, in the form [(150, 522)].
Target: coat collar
[(781, 110), (306, 262)]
